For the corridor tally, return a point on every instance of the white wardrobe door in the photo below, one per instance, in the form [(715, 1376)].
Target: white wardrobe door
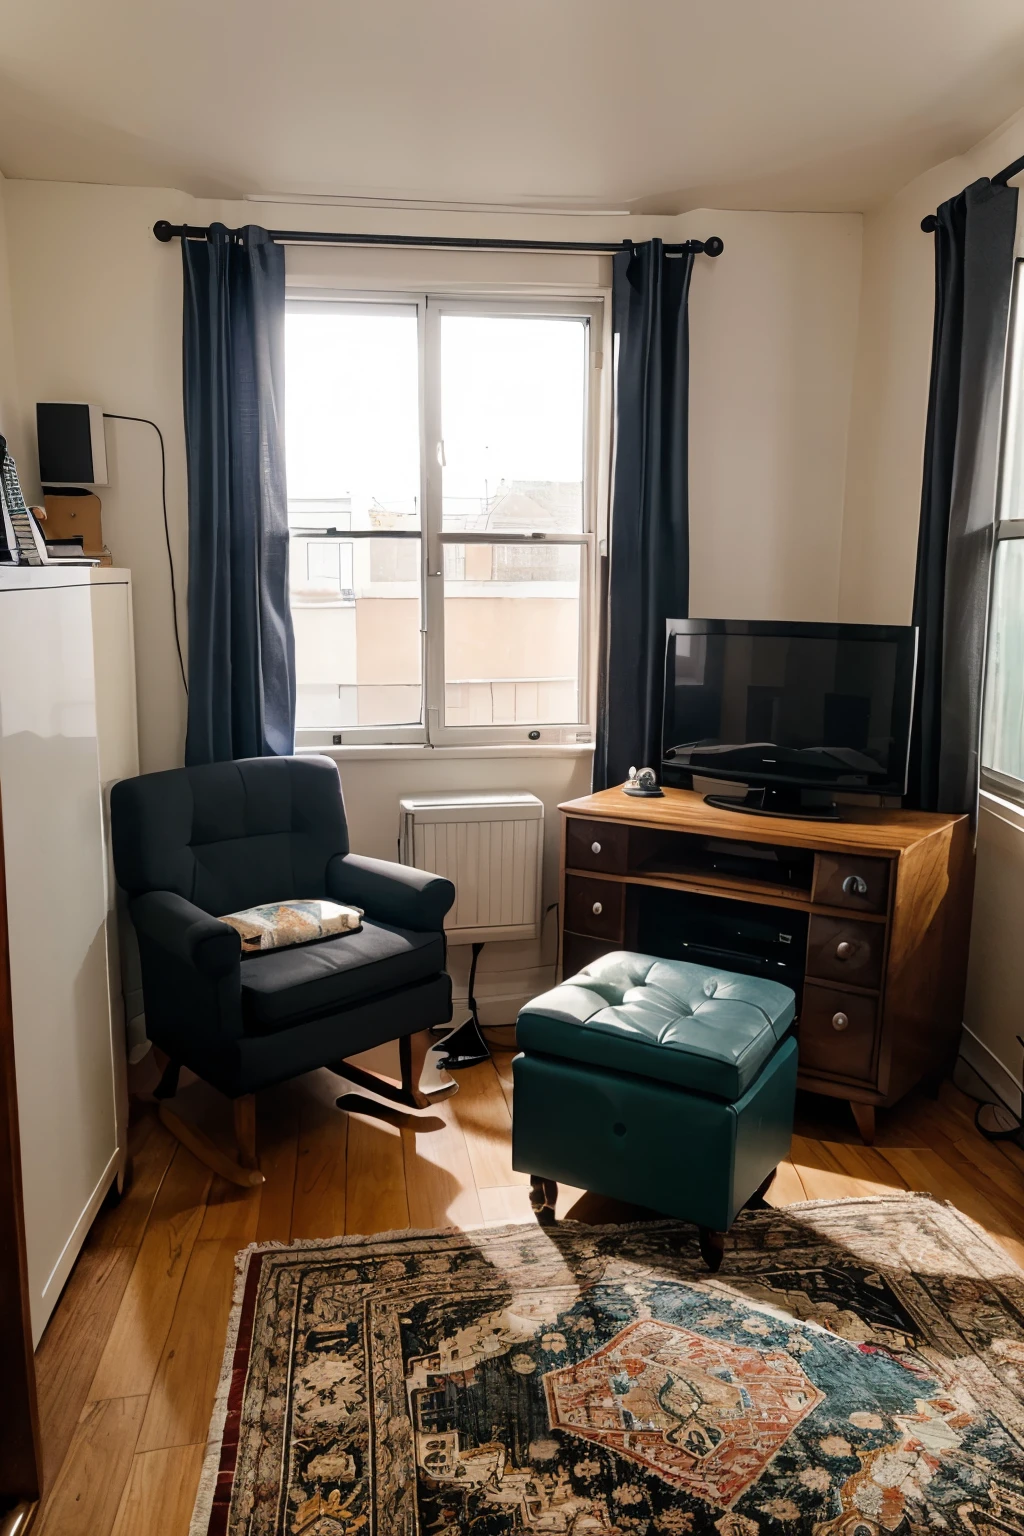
[(117, 740), (57, 911)]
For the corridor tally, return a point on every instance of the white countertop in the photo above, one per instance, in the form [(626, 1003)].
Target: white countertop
[(17, 578)]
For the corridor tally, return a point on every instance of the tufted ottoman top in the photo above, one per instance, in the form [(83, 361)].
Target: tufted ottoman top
[(707, 1030)]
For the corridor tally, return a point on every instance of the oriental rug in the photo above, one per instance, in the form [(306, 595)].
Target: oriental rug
[(856, 1368)]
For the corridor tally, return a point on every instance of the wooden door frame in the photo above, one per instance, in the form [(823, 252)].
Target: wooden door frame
[(20, 1452)]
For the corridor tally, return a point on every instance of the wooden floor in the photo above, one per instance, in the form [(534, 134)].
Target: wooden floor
[(129, 1363)]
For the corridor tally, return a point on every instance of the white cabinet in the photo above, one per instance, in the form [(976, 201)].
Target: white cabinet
[(67, 732)]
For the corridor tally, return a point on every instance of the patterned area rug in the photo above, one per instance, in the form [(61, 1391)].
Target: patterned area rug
[(856, 1367)]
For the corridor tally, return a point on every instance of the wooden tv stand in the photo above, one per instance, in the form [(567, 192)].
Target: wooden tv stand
[(886, 897)]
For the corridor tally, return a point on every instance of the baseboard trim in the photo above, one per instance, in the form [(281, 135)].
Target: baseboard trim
[(501, 994), (495, 1009), (1007, 1088)]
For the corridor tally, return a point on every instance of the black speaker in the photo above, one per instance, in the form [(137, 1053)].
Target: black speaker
[(72, 450)]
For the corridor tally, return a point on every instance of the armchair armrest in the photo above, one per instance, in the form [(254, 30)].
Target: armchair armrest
[(393, 893), (187, 932)]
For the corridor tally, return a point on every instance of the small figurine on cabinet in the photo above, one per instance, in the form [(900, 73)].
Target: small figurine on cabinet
[(642, 782)]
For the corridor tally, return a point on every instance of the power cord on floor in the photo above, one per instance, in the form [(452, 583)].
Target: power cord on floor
[(146, 422)]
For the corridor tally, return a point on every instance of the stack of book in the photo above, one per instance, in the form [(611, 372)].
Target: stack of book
[(22, 540)]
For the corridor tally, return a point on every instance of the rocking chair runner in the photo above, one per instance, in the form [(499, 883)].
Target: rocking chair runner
[(192, 843)]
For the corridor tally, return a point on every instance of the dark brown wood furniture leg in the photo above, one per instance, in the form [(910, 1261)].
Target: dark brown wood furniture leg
[(712, 1243), (245, 1130), (712, 1247), (543, 1199), (245, 1172), (170, 1072), (864, 1114), (207, 1151)]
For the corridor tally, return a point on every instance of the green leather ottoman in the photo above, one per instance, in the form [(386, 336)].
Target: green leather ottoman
[(666, 1084)]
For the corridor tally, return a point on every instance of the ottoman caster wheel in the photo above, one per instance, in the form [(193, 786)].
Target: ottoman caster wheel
[(712, 1247), (543, 1198)]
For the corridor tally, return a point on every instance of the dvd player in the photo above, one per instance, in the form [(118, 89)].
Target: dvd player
[(742, 936)]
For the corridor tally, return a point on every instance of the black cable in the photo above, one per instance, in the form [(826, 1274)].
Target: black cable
[(116, 416)]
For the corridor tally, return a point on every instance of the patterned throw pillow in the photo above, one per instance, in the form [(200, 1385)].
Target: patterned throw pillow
[(280, 924)]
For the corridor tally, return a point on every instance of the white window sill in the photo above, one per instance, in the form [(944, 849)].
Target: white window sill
[(1010, 811), (418, 751)]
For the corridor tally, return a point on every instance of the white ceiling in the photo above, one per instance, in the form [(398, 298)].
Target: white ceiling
[(658, 105)]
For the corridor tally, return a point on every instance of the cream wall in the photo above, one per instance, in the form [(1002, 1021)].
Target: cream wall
[(773, 336), (10, 403), (879, 546), (97, 316), (773, 329), (809, 376), (890, 392)]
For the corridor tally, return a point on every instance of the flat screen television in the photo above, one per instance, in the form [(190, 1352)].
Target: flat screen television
[(792, 711)]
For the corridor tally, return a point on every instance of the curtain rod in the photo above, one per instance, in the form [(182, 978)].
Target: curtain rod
[(930, 223), (713, 246)]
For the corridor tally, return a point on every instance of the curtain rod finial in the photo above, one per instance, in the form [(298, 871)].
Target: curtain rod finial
[(164, 230), (714, 246), (929, 223)]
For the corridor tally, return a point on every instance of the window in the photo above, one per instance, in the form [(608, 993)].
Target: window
[(1002, 743), (441, 488)]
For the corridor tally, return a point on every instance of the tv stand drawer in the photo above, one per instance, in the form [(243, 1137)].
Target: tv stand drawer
[(595, 908), (600, 845), (844, 950), (836, 1033), (843, 881)]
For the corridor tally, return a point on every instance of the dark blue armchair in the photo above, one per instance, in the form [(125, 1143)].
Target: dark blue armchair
[(194, 843)]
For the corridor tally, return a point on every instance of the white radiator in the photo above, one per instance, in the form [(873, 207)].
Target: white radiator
[(490, 847)]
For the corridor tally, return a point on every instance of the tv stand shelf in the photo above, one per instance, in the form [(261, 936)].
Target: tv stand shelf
[(883, 896)]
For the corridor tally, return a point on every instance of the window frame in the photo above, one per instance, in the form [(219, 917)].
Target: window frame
[(1009, 498), (308, 301), (430, 308)]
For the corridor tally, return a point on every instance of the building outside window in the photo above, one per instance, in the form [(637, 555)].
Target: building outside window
[(441, 503)]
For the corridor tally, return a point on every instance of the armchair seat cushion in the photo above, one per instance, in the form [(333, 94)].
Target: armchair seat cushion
[(280, 987)]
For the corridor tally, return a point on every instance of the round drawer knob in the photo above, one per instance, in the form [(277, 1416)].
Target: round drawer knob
[(844, 950), (595, 847), (839, 1021), (855, 885), (597, 909)]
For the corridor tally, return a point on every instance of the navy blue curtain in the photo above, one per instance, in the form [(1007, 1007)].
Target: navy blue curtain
[(974, 239), (241, 651), (647, 575)]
